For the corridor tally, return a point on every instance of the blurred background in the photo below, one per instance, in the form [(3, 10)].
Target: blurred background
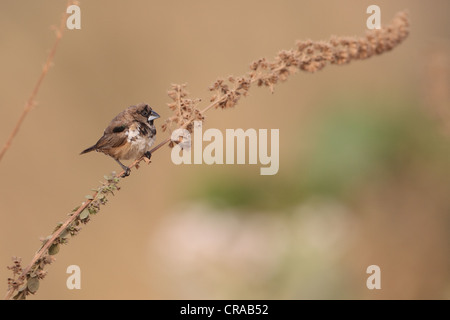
[(364, 175)]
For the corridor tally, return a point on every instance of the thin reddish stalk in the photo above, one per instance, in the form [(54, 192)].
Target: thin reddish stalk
[(31, 100)]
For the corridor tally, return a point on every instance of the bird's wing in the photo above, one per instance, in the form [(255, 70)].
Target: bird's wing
[(113, 137)]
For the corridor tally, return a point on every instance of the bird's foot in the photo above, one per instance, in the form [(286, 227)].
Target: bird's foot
[(126, 172), (148, 155)]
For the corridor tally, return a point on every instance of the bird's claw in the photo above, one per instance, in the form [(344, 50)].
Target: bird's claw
[(148, 155), (126, 172)]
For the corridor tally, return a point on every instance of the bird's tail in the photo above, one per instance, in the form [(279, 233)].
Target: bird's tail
[(89, 149)]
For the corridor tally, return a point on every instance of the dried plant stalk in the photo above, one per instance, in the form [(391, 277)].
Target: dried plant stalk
[(306, 56), (31, 102), (309, 56)]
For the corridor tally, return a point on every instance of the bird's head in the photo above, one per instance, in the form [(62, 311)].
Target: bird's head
[(143, 112)]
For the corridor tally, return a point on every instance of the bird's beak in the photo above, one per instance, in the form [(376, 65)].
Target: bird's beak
[(153, 116)]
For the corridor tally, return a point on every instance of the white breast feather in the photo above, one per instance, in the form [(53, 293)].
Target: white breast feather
[(139, 145), (132, 134)]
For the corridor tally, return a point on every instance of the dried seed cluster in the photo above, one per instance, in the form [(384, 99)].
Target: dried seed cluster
[(227, 95), (309, 56), (185, 109), (312, 56)]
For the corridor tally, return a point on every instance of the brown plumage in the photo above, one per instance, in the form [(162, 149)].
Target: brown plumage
[(130, 135)]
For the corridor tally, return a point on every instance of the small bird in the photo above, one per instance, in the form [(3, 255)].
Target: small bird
[(130, 135)]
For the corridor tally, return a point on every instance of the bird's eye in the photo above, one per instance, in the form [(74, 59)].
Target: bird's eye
[(145, 111)]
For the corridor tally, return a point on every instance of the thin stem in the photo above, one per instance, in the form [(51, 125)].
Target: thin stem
[(31, 100), (49, 242)]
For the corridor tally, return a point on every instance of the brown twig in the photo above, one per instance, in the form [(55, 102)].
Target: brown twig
[(307, 56), (31, 100), (49, 242)]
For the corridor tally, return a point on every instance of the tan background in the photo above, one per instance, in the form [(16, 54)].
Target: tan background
[(338, 204)]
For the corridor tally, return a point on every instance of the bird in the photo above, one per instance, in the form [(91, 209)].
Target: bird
[(130, 135)]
